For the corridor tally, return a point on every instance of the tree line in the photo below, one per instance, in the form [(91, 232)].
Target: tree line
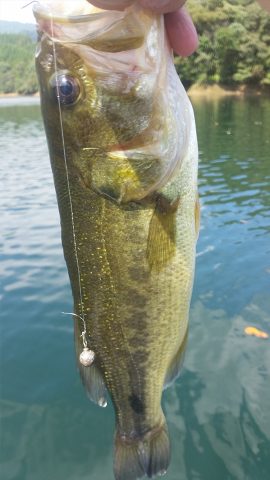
[(234, 44), (17, 66), (234, 49)]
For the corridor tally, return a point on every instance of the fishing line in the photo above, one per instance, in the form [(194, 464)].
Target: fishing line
[(30, 3), (87, 356)]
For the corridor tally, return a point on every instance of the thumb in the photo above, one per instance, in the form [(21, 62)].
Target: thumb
[(265, 4)]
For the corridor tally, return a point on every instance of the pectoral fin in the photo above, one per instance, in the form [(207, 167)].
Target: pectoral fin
[(161, 245)]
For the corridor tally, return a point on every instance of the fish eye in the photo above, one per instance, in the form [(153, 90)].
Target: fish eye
[(66, 88)]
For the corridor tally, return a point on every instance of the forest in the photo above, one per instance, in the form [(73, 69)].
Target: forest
[(17, 67), (234, 44), (234, 49)]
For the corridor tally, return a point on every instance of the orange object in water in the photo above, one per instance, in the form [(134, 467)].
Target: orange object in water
[(256, 332)]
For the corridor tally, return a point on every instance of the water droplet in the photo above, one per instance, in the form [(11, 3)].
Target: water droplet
[(102, 402), (162, 473)]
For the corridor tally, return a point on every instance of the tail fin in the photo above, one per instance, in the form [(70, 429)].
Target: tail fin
[(149, 455)]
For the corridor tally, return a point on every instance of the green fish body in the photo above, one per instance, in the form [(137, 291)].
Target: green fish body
[(123, 150)]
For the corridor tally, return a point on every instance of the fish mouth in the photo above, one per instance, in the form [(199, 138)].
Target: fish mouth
[(67, 11), (80, 22)]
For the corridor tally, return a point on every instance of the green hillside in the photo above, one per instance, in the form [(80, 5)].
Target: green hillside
[(234, 44), (17, 70), (234, 49)]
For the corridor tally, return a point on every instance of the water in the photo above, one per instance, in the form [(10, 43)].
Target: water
[(218, 411)]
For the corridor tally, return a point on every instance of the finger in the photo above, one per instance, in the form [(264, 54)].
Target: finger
[(111, 4), (181, 32), (162, 6), (265, 4)]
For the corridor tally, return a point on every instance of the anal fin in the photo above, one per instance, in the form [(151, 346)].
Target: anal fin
[(176, 364), (91, 377)]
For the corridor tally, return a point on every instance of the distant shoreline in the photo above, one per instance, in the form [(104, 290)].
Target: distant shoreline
[(17, 95), (218, 91), (208, 91)]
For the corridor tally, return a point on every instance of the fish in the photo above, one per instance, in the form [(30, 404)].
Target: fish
[(122, 142)]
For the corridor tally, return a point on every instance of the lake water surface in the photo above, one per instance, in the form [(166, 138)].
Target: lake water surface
[(218, 411)]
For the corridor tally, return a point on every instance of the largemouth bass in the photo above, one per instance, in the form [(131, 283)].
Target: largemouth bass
[(123, 149)]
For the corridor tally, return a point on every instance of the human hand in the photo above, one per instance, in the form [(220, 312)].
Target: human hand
[(265, 4), (180, 28)]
